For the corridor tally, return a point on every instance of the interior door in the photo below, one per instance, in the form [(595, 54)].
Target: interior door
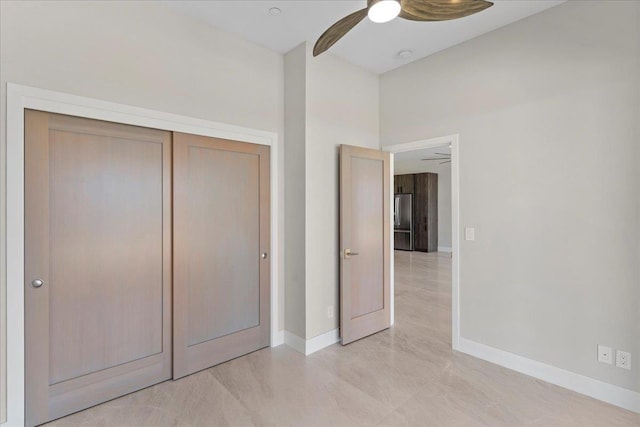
[(97, 262), (365, 223), (221, 245)]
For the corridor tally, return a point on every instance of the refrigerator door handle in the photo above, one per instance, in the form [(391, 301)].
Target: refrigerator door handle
[(396, 211)]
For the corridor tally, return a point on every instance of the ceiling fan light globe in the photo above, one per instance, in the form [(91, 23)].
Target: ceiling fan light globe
[(384, 11)]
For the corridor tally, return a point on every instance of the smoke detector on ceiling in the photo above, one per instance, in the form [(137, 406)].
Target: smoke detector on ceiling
[(405, 54)]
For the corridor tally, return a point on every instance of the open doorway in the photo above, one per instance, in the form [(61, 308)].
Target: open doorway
[(425, 243)]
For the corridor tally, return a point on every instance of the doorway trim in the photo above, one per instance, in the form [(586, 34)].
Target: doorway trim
[(452, 140), (21, 97)]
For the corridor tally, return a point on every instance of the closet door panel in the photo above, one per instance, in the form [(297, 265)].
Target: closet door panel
[(221, 230), (100, 281), (224, 228), (98, 237)]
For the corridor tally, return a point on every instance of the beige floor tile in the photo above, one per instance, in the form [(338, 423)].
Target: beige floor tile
[(283, 388), (197, 400), (404, 376), (398, 375)]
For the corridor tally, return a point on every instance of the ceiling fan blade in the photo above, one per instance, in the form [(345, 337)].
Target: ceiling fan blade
[(444, 154), (337, 30), (448, 161), (441, 10), (443, 158)]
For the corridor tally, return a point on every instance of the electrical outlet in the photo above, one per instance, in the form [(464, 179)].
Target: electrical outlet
[(330, 312), (623, 359), (470, 233), (605, 354)]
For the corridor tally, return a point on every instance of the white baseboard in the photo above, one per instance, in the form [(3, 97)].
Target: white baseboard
[(311, 345), (321, 341), (622, 397), (294, 341), (278, 339), (445, 249)]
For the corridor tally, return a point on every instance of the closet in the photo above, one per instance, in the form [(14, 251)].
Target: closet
[(146, 258)]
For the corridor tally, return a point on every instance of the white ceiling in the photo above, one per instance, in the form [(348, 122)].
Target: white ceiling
[(411, 161), (424, 153), (372, 46)]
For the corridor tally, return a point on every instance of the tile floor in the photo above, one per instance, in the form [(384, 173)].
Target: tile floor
[(404, 376)]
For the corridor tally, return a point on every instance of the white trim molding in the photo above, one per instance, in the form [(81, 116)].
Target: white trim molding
[(278, 339), (311, 345), (622, 397), (392, 272), (20, 98), (295, 342), (453, 141)]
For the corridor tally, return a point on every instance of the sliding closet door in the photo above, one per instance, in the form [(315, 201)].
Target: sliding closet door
[(98, 262), (221, 245)]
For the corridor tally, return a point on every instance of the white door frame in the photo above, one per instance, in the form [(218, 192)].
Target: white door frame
[(452, 140), (20, 98)]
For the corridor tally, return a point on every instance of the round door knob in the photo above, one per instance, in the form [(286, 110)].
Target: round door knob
[(37, 283), (264, 255)]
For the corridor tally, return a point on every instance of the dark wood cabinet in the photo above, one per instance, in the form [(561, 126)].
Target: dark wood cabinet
[(425, 212), (424, 187), (403, 183)]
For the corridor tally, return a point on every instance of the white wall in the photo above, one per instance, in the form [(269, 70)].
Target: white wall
[(444, 193), (295, 89), (141, 54), (548, 112), (340, 107)]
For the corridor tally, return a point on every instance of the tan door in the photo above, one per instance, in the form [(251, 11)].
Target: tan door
[(221, 245), (365, 220), (98, 262)]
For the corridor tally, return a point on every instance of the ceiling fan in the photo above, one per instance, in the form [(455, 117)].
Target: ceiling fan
[(414, 10), (443, 156)]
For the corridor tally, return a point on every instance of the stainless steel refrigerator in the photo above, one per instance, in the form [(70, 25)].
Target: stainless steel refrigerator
[(403, 221)]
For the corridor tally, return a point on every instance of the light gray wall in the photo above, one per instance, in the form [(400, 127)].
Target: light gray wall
[(548, 112), (295, 72), (444, 193), (340, 104), (141, 54)]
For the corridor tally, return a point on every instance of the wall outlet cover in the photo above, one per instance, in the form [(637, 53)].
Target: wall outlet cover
[(605, 354), (623, 359), (470, 233), (330, 312)]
